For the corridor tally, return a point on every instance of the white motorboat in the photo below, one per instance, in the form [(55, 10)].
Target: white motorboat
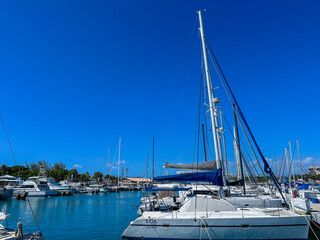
[(62, 190), (35, 187)]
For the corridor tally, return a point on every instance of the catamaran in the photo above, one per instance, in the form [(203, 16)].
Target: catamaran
[(214, 216)]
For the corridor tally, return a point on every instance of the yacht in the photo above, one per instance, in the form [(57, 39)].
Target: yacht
[(7, 183), (62, 190), (215, 216), (35, 187)]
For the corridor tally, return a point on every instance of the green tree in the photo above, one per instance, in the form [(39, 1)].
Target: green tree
[(83, 177), (74, 175), (97, 176)]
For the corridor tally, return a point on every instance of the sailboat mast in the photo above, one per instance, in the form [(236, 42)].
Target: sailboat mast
[(153, 159), (108, 160), (288, 166), (148, 166), (239, 149), (224, 145), (119, 161), (212, 101), (236, 153), (204, 144), (292, 165), (300, 159)]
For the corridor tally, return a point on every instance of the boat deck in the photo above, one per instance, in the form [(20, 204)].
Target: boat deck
[(8, 234), (242, 213)]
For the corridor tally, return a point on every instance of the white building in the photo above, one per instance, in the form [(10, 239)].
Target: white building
[(314, 170)]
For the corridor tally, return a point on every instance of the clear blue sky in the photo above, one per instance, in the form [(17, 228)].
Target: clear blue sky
[(77, 75)]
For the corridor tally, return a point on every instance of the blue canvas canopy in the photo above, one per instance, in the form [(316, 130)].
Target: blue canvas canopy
[(214, 177)]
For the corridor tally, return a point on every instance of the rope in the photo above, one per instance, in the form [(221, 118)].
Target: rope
[(311, 228), (205, 227), (198, 127), (5, 130), (266, 165), (34, 216)]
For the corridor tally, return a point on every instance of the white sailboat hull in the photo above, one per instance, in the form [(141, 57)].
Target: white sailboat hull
[(218, 228)]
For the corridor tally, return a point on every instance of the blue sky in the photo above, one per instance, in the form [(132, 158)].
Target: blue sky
[(77, 75)]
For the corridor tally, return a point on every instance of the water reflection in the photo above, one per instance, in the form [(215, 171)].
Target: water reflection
[(104, 216)]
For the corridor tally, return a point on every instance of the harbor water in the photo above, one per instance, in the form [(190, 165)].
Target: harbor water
[(82, 216)]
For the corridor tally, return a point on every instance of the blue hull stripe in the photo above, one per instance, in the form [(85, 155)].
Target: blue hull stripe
[(146, 238), (216, 226)]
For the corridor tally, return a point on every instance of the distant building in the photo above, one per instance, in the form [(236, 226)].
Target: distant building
[(138, 180), (315, 170)]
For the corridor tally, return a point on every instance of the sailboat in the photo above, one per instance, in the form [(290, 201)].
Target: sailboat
[(214, 217)]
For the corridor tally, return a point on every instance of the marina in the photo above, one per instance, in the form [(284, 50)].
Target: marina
[(106, 136)]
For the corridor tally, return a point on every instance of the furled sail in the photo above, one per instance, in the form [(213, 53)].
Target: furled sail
[(214, 177), (206, 166)]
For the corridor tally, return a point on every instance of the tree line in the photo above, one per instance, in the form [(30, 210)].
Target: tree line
[(58, 171)]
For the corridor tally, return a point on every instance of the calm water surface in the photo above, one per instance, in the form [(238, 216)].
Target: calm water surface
[(101, 216)]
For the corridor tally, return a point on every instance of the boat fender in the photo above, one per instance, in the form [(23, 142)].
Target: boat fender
[(18, 197)]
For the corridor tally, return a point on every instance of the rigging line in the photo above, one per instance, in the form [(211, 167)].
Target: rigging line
[(143, 170), (5, 130), (34, 216), (234, 109), (249, 161), (175, 97), (248, 170), (198, 127), (266, 165), (199, 116), (199, 109), (204, 101), (248, 155), (232, 133), (206, 123), (115, 155), (205, 119)]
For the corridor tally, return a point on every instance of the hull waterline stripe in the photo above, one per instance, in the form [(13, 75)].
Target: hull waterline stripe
[(146, 238), (217, 226)]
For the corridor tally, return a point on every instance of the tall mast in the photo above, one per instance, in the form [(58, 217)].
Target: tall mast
[(300, 159), (119, 161), (236, 153), (153, 159), (108, 160), (212, 101), (239, 149), (147, 165), (224, 145), (292, 165), (288, 166), (204, 144)]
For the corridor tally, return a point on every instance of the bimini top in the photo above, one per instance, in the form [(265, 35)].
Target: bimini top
[(205, 166), (214, 177)]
